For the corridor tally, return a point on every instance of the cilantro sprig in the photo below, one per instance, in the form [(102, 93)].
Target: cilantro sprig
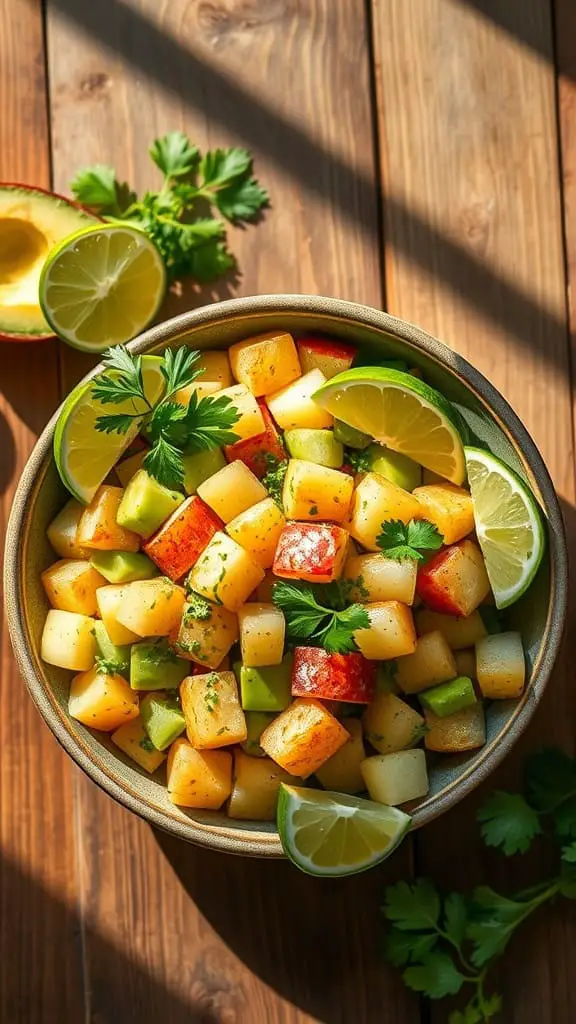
[(172, 427), (447, 943), (402, 541), (318, 612), (190, 242)]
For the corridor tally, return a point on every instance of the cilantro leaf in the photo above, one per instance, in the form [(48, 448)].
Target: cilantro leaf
[(174, 154), (164, 463), (339, 635), (116, 423), (413, 907), (405, 947), (551, 787), (307, 618), (402, 541), (493, 919), (220, 166), (209, 261), (569, 853), (96, 186), (360, 460), (508, 822), (273, 478), (107, 666), (241, 200), (126, 380), (436, 976), (208, 422), (455, 917), (178, 368)]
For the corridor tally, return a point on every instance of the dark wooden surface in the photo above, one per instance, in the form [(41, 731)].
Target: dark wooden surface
[(420, 154)]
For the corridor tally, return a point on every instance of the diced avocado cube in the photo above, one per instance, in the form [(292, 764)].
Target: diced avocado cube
[(123, 566), (266, 689), (146, 504), (397, 468), (162, 719), (256, 722), (155, 666), (110, 652), (350, 436), (319, 446), (448, 698), (198, 466)]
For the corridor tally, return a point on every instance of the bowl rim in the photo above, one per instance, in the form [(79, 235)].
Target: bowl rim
[(248, 842)]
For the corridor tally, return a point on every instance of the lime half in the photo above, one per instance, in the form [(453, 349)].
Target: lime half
[(401, 412), (84, 456), (102, 286), (508, 525), (333, 834)]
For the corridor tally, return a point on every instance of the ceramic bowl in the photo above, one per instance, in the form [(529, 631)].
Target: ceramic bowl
[(492, 423)]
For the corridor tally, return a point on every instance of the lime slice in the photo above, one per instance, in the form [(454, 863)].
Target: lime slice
[(327, 833), (508, 525), (102, 286), (401, 412), (84, 456)]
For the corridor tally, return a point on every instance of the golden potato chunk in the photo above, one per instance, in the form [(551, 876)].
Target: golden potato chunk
[(431, 663), (71, 586), (449, 507), (501, 666), (377, 578), (198, 778), (391, 633), (98, 529), (459, 631), (464, 730), (256, 785), (390, 724), (205, 640), (257, 530), (68, 640), (251, 420), (314, 492), (265, 363), (293, 406), (211, 707), (151, 607), (132, 740), (102, 701), (232, 490), (376, 501), (262, 631), (63, 529), (303, 737), (109, 601), (341, 772), (225, 573)]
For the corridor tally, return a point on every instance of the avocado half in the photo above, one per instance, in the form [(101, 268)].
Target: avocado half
[(32, 222)]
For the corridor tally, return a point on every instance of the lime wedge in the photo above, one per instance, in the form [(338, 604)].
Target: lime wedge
[(84, 456), (508, 523), (401, 412), (333, 834), (102, 286)]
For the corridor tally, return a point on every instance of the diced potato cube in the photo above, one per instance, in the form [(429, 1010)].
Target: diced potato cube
[(391, 633), (63, 529), (251, 421), (211, 706), (132, 740), (262, 632), (71, 585), (256, 785), (98, 529), (377, 578), (376, 501), (454, 581), (312, 492), (265, 363), (151, 607), (311, 551), (464, 730), (459, 632), (395, 779), (466, 663), (232, 490), (264, 590), (431, 663), (200, 388), (102, 701), (325, 354), (183, 537), (206, 640), (303, 737), (262, 450), (68, 640), (257, 530), (390, 724), (109, 601), (225, 573), (198, 778), (341, 773), (128, 468), (501, 666), (293, 406), (450, 509), (216, 367)]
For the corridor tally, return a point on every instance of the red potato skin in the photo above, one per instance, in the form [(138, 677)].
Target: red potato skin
[(23, 338), (312, 351), (310, 551), (432, 582), (253, 451), (178, 544), (318, 673)]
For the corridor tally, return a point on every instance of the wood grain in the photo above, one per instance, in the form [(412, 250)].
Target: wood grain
[(474, 254), (565, 23), (40, 969), (233, 940)]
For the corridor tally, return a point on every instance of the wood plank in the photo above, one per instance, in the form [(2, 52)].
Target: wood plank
[(40, 970), (134, 71), (565, 24), (474, 255)]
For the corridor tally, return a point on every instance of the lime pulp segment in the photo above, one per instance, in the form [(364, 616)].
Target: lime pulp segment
[(508, 525), (332, 834), (401, 412), (102, 286)]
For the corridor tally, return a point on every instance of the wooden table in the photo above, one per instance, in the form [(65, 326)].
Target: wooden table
[(420, 155)]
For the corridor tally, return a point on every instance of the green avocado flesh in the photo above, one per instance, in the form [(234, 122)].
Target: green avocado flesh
[(266, 688), (123, 566), (448, 698), (397, 468), (32, 222), (111, 652), (199, 466), (319, 446), (154, 666), (256, 722), (350, 436), (162, 719), (146, 504)]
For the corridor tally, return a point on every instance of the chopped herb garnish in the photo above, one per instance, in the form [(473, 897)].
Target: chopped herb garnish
[(361, 461), (402, 541), (108, 667), (313, 511), (319, 613), (273, 478), (147, 744), (198, 609), (160, 654)]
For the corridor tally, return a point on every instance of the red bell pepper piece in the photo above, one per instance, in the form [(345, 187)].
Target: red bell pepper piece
[(328, 676), (311, 551), (331, 357), (178, 544), (253, 451), (454, 581)]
